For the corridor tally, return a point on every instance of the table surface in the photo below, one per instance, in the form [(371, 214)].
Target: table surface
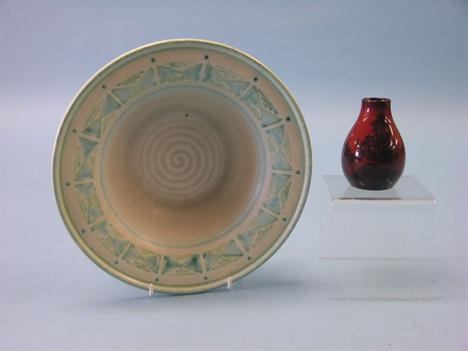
[(330, 54)]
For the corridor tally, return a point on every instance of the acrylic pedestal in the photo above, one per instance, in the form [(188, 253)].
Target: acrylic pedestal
[(379, 244)]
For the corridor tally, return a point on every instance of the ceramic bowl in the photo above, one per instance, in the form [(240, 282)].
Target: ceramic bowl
[(181, 165)]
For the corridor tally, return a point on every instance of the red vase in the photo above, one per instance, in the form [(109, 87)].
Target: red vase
[(373, 156)]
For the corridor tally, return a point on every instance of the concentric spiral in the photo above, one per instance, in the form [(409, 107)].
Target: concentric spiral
[(178, 158)]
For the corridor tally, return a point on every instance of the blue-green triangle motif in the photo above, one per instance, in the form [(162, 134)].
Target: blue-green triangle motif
[(237, 86), (118, 246), (212, 74), (87, 146), (170, 264), (259, 226), (252, 98), (152, 263), (247, 239), (274, 204), (188, 265), (94, 129), (192, 72), (222, 255), (132, 253), (280, 161), (123, 93), (264, 219), (110, 239), (278, 181), (146, 260), (85, 189), (147, 80), (278, 192), (84, 172), (279, 148), (261, 106), (232, 250), (109, 106), (266, 104), (101, 227), (277, 134), (269, 118), (94, 211), (131, 80), (194, 263), (169, 74)]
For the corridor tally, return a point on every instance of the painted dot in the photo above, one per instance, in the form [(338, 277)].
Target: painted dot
[(205, 277), (153, 59), (249, 258), (206, 57), (186, 115), (285, 219), (298, 172), (288, 118), (83, 231), (74, 130), (156, 280), (67, 183), (255, 79), (104, 86)]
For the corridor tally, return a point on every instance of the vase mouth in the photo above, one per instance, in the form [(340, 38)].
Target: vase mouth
[(375, 100)]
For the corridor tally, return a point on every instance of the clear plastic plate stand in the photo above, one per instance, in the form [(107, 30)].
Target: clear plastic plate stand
[(151, 290), (379, 244)]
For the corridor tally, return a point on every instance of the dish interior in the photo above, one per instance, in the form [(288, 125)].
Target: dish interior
[(181, 165)]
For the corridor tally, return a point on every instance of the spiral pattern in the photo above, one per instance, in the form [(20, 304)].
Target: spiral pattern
[(178, 159)]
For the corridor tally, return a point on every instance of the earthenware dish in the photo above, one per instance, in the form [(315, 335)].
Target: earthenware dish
[(181, 165)]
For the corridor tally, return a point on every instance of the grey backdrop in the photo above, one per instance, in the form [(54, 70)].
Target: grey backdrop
[(330, 55)]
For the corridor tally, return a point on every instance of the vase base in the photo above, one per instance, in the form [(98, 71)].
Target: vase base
[(371, 188)]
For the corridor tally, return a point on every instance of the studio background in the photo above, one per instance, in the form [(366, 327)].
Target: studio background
[(330, 55)]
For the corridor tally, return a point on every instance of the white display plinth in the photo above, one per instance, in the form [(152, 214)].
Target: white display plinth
[(379, 244)]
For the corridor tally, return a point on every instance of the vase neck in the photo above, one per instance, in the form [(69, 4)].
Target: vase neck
[(375, 106)]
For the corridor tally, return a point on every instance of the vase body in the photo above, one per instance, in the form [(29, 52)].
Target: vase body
[(373, 156)]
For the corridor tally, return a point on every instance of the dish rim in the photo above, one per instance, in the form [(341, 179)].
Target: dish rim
[(59, 198)]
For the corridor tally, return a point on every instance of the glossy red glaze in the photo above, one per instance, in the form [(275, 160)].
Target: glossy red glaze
[(373, 156)]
